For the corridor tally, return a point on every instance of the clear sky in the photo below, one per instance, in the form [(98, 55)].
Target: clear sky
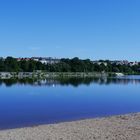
[(95, 29)]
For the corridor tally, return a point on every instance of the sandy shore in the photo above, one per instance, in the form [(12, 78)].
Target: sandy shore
[(124, 127)]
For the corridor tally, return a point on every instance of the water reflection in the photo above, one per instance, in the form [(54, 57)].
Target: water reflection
[(28, 102), (75, 82)]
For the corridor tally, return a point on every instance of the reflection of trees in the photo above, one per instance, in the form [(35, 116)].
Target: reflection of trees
[(123, 81), (8, 82), (75, 81), (68, 81)]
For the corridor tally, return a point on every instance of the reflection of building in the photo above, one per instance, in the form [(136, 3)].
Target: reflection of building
[(47, 82), (71, 81)]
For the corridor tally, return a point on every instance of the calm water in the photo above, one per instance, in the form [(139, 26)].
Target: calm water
[(31, 102)]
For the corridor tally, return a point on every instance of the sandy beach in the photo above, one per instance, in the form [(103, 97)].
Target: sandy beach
[(123, 127)]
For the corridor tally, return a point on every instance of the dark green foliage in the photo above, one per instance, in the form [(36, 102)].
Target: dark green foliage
[(66, 65), (12, 65)]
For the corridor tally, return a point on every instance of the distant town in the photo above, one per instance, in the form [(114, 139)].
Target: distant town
[(25, 67), (51, 60)]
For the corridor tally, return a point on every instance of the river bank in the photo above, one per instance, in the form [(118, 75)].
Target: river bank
[(39, 74), (122, 127)]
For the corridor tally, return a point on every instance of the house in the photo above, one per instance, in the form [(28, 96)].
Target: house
[(99, 63), (46, 60), (133, 63), (23, 59)]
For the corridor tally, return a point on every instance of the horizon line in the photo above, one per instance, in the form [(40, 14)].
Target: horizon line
[(71, 58)]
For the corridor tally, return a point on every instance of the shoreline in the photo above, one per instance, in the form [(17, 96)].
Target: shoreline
[(126, 127), (39, 74)]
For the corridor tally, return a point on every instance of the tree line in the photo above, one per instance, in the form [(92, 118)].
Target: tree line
[(11, 64)]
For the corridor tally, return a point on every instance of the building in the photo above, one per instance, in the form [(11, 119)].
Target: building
[(99, 63), (120, 62), (46, 60), (133, 63), (23, 59)]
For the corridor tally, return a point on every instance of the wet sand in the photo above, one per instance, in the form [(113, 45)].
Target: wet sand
[(123, 127)]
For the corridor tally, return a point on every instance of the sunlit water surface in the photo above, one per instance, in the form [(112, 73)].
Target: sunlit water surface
[(32, 102)]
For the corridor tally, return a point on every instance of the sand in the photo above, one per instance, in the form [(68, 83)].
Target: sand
[(123, 127)]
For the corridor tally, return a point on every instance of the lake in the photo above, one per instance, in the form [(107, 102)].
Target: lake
[(28, 102)]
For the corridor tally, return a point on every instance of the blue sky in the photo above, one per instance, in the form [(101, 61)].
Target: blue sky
[(95, 29)]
